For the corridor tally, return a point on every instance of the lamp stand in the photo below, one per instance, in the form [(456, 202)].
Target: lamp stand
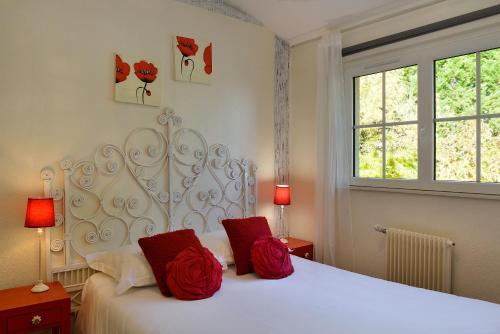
[(281, 230), (39, 286)]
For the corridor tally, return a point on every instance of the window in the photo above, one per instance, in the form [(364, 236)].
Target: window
[(467, 117), (385, 124), (426, 116)]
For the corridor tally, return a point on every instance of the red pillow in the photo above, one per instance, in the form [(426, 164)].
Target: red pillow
[(270, 258), (242, 233), (194, 274), (162, 248)]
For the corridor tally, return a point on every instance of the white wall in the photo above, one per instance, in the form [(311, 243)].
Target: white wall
[(474, 224), (56, 96), (302, 139)]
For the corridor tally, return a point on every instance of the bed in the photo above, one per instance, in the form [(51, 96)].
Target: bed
[(315, 299), (166, 177)]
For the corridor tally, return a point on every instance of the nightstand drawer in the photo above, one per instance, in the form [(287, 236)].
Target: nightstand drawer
[(32, 320), (305, 252)]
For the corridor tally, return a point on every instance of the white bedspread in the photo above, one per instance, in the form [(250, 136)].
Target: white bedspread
[(316, 299)]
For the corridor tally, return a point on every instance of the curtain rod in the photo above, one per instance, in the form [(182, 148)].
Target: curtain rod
[(423, 30)]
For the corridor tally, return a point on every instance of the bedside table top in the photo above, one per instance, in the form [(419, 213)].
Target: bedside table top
[(22, 296), (297, 243)]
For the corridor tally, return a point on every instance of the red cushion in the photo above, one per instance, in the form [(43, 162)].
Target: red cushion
[(270, 258), (162, 248), (194, 274), (242, 233)]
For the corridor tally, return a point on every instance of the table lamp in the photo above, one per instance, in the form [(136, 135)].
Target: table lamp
[(282, 198), (40, 214)]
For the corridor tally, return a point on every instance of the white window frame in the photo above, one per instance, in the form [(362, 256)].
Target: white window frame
[(477, 116), (422, 51), (383, 125)]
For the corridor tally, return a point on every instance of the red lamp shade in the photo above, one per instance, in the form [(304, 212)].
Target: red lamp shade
[(282, 194), (40, 213)]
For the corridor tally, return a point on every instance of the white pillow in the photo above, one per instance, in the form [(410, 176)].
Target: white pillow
[(127, 265), (218, 243)]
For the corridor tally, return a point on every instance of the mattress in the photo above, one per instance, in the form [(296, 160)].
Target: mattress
[(316, 299)]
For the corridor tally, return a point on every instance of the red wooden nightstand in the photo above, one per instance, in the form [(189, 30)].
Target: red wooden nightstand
[(22, 311), (301, 248)]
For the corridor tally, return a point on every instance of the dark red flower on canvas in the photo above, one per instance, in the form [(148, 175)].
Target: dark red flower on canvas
[(148, 92), (207, 58), (187, 46), (146, 72), (122, 69)]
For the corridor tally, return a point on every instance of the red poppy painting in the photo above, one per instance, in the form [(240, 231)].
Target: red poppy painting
[(143, 86), (193, 60)]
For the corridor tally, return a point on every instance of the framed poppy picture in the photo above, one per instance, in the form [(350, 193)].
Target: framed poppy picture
[(193, 60), (137, 80)]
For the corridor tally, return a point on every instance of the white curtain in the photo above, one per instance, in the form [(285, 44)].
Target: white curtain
[(333, 217)]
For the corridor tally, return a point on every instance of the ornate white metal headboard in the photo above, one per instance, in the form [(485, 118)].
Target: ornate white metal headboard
[(157, 181)]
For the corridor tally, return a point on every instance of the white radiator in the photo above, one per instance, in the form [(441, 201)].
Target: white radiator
[(419, 260)]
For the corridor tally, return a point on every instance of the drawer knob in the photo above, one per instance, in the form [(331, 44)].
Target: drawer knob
[(36, 320), (306, 255)]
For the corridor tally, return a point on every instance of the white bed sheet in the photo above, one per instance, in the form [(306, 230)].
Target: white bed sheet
[(316, 299)]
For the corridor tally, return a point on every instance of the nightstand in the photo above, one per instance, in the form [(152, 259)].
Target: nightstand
[(22, 311), (301, 248)]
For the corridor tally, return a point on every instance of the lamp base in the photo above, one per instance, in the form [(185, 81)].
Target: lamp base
[(39, 287)]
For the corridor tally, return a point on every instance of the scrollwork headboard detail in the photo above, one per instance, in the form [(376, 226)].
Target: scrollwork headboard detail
[(156, 181)]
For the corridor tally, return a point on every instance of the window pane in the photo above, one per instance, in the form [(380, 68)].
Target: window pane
[(369, 152), (369, 99), (401, 94), (490, 150), (490, 81), (456, 150), (456, 86), (402, 152)]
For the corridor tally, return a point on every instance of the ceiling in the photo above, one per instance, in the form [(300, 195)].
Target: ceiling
[(290, 19)]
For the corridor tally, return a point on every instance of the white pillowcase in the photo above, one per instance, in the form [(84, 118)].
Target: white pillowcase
[(218, 243), (127, 265)]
